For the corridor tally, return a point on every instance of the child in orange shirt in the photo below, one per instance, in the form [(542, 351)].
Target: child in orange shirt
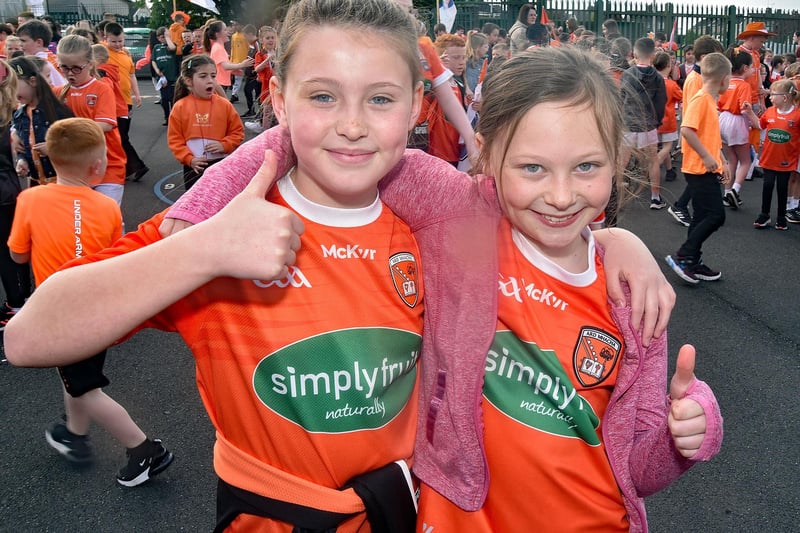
[(781, 150), (89, 97), (263, 62), (792, 72), (56, 223), (266, 317), (109, 74), (736, 119), (203, 126), (176, 31), (702, 166), (668, 130), (118, 55)]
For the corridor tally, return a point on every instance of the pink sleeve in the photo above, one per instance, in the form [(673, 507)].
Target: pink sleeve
[(422, 188), (221, 182), (700, 392)]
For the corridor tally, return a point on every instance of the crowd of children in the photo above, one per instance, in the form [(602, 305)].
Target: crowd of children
[(549, 149)]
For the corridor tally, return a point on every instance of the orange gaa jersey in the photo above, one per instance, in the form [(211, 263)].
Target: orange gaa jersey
[(314, 374), (548, 378), (738, 93), (669, 123), (95, 100), (782, 140)]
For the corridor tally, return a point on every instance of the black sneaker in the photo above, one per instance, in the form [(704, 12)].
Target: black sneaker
[(5, 315), (793, 216), (739, 201), (781, 225), (683, 267), (762, 221), (729, 200), (153, 459), (680, 215), (234, 99), (74, 448), (657, 203), (704, 273), (670, 175)]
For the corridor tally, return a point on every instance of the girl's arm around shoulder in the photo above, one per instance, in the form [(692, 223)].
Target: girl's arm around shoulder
[(627, 258), (110, 290), (422, 189)]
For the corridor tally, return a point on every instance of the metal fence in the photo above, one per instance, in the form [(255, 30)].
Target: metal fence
[(637, 19)]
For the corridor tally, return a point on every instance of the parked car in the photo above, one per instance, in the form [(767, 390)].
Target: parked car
[(136, 40)]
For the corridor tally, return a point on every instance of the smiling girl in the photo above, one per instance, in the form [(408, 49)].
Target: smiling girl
[(286, 337)]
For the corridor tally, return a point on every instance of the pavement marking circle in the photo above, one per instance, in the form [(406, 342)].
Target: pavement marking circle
[(167, 186)]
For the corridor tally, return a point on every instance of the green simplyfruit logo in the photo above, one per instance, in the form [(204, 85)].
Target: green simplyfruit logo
[(341, 381), (779, 136), (529, 384)]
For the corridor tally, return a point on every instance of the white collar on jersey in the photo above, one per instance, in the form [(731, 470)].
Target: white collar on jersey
[(537, 259), (328, 216)]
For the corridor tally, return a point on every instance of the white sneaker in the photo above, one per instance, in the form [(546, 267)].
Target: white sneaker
[(255, 127)]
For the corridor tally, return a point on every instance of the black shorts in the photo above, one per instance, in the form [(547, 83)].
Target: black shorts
[(83, 376)]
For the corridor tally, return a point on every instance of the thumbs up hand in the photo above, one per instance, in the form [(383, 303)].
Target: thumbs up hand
[(687, 420), (252, 238)]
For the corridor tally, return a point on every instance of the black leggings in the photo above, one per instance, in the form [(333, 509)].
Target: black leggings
[(16, 278), (770, 178)]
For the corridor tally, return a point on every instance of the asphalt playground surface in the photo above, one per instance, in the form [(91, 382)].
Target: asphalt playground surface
[(746, 328)]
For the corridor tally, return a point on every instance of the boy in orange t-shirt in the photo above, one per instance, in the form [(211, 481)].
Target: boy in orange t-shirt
[(118, 55), (702, 166), (52, 225)]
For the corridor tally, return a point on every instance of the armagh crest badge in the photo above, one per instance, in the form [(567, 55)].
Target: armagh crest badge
[(403, 267), (595, 356)]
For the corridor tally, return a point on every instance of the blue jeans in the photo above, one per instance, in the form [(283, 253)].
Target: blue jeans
[(708, 212)]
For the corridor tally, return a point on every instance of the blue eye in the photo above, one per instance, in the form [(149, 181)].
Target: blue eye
[(322, 98), (532, 169), (586, 167), (381, 100)]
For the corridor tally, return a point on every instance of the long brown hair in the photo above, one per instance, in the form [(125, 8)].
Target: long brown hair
[(8, 93)]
